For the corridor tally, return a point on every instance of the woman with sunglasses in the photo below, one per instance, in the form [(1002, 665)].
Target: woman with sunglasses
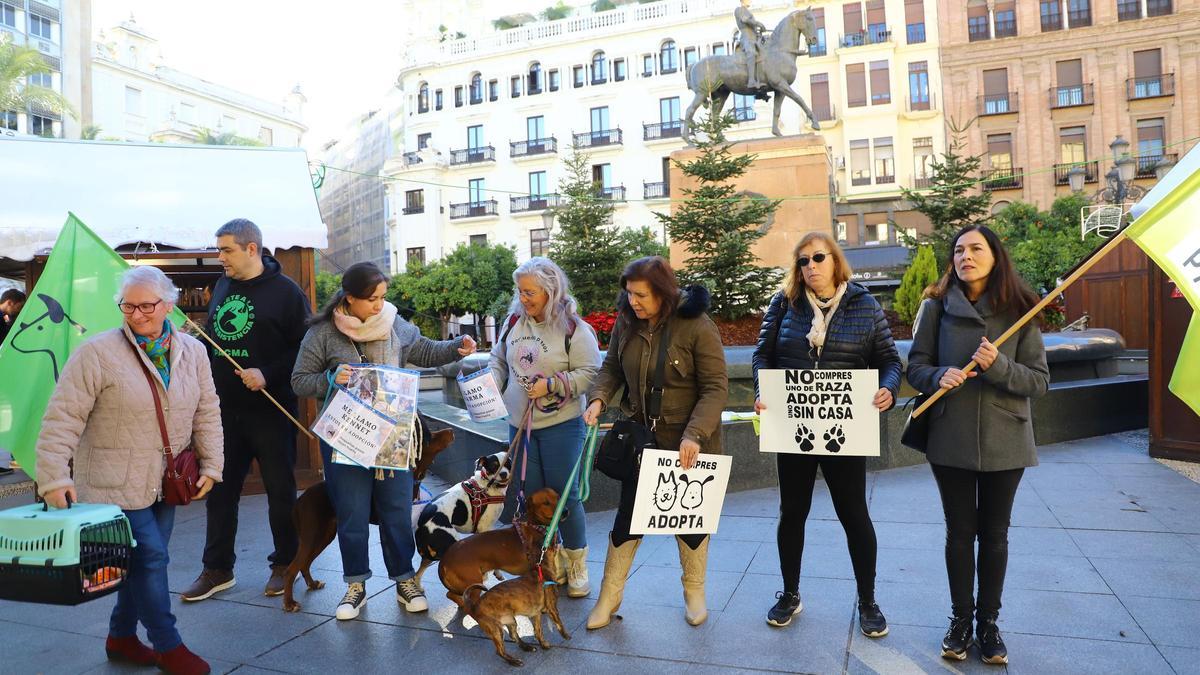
[(822, 320)]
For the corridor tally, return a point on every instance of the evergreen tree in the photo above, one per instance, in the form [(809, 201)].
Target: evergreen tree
[(921, 273), (586, 244), (718, 229), (948, 203)]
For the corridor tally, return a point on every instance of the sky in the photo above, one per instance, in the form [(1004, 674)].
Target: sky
[(343, 54)]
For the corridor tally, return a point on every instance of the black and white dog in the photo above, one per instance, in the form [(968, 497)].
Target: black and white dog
[(468, 507)]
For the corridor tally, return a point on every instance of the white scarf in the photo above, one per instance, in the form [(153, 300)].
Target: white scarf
[(375, 328), (820, 322)]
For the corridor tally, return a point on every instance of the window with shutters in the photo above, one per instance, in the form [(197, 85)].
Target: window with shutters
[(1072, 145), (1069, 80), (977, 22), (877, 29), (819, 48), (914, 21), (819, 95), (1129, 10), (852, 24), (996, 98), (1079, 13), (880, 85), (1151, 142), (1148, 79), (1051, 15), (923, 162), (539, 242), (885, 161), (856, 85), (415, 256), (1000, 151), (860, 162), (1158, 7), (1006, 19), (414, 202), (918, 85)]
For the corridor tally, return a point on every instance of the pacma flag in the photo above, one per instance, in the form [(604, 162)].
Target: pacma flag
[(72, 301), (1170, 234)]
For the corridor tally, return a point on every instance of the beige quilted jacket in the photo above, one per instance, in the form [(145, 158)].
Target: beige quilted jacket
[(102, 415)]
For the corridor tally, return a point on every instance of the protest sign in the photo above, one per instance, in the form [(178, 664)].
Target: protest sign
[(482, 395), (392, 392), (673, 501), (356, 431), (819, 412)]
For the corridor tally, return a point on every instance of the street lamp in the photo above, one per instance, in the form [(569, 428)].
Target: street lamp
[(1119, 187)]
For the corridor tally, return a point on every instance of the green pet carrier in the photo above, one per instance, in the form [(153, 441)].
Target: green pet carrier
[(63, 556)]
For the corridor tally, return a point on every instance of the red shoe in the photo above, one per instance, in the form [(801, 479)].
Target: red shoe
[(180, 661), (131, 650)]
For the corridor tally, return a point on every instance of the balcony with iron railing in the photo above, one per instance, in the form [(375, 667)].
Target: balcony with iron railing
[(818, 49), (1062, 172), (533, 146), (1072, 96), (1051, 22), (1002, 179), (601, 138), (746, 114), (613, 194), (1006, 28), (1129, 10), (978, 31), (922, 182), (474, 209), (1150, 87), (661, 130), (1147, 163), (525, 204), (1078, 18), (412, 157), (412, 209), (998, 104), (871, 36), (826, 112), (660, 190), (1158, 7), (485, 153)]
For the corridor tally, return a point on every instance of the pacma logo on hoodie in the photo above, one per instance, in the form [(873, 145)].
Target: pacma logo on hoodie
[(234, 318)]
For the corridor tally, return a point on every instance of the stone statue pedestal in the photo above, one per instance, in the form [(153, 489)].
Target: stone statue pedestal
[(797, 167)]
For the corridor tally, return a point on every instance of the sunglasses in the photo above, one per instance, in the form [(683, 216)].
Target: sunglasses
[(818, 258)]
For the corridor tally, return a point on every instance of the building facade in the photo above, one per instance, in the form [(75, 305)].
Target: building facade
[(489, 117), (137, 97), (61, 31), (1051, 83)]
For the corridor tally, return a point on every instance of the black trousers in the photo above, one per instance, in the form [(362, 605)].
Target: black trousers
[(978, 505), (847, 480), (267, 436), (621, 524)]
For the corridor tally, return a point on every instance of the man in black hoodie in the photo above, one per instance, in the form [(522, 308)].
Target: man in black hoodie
[(258, 316)]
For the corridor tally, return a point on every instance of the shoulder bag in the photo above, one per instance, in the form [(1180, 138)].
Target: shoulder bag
[(916, 429), (620, 454), (180, 471)]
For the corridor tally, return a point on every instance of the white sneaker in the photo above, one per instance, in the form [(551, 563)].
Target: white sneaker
[(577, 572), (352, 601), (410, 596)]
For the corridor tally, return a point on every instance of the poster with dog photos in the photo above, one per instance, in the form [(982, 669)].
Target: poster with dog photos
[(482, 395), (392, 392), (356, 431), (671, 500), (819, 412)]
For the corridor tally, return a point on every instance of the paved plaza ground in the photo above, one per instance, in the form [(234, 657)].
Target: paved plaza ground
[(1102, 578)]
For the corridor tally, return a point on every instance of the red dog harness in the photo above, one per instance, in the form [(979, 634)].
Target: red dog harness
[(480, 500)]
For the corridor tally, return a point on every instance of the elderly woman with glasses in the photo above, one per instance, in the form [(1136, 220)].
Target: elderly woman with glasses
[(822, 320), (544, 362), (103, 416)]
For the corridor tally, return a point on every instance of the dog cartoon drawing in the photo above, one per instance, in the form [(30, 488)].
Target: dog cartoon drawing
[(38, 336), (693, 491), (665, 492)]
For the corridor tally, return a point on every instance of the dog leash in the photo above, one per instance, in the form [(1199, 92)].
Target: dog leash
[(585, 487), (515, 446)]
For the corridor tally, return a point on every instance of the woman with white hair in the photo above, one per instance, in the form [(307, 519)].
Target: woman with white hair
[(103, 416), (545, 359)]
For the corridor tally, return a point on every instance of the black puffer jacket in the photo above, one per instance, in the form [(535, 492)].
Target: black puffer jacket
[(858, 337)]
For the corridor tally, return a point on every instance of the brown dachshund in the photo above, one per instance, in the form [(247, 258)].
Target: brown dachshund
[(528, 596)]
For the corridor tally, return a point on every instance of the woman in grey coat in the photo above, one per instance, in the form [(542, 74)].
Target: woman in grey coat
[(981, 431)]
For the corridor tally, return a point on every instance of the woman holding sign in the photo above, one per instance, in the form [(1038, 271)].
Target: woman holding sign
[(545, 359), (695, 388), (359, 326), (820, 320), (981, 433)]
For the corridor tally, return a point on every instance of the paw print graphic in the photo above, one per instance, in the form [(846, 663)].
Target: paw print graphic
[(834, 438), (805, 437)]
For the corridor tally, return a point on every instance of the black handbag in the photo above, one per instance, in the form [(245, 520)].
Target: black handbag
[(916, 429), (620, 454)]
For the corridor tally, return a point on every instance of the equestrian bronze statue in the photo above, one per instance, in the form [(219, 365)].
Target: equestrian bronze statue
[(763, 66)]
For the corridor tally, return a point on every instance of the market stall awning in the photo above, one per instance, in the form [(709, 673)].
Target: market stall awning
[(175, 195)]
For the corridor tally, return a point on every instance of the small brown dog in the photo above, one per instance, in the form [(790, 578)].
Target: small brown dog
[(528, 595), (316, 522), (510, 549)]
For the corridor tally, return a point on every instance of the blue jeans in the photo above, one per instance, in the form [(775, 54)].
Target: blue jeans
[(553, 451), (355, 494), (144, 596)]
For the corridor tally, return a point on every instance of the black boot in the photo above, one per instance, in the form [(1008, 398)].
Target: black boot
[(991, 645), (958, 638)]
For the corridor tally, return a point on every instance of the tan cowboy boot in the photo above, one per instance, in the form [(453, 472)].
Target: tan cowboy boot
[(695, 567), (577, 572), (612, 588)]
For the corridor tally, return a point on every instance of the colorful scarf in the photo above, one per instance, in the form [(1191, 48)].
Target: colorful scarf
[(159, 351)]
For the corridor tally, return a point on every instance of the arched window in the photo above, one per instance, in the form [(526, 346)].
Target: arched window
[(599, 68), (423, 98), (668, 57), (535, 78), (999, 206), (476, 89)]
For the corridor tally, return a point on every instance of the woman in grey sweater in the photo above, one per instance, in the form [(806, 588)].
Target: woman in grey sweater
[(359, 326), (981, 431), (545, 359)]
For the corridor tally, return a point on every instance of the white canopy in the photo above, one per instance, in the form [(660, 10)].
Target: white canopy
[(1187, 166), (176, 195)]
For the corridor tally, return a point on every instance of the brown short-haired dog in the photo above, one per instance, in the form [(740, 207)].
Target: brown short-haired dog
[(528, 596), (510, 549)]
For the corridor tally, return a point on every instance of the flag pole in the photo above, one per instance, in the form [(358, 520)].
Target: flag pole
[(1012, 330), (239, 367)]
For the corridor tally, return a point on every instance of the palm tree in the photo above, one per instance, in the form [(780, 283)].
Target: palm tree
[(17, 64), (90, 132), (206, 136)]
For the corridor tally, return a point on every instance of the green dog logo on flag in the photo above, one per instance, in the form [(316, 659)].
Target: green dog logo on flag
[(234, 318)]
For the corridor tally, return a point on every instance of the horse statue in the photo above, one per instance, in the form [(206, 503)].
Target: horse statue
[(714, 78)]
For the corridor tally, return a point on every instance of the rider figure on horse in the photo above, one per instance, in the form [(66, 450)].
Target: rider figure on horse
[(751, 30)]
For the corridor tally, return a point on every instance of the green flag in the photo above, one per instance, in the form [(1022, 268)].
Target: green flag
[(72, 301), (1185, 381)]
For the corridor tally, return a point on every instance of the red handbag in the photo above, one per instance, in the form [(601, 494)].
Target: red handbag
[(181, 471)]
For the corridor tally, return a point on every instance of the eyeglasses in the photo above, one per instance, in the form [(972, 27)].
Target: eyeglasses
[(143, 307), (818, 258), (529, 295)]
